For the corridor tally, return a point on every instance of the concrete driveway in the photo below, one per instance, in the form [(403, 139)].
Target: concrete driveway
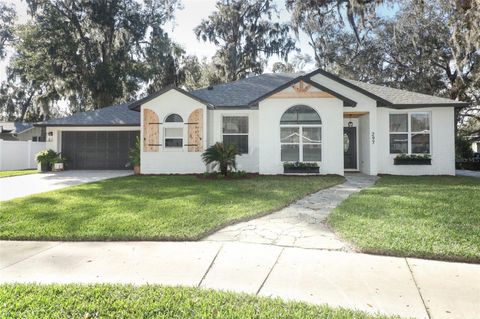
[(464, 172), (20, 186)]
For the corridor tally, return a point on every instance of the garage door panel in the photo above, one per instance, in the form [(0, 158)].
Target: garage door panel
[(97, 149)]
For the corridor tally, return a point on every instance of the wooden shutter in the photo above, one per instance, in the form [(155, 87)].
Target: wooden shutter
[(195, 131), (151, 135)]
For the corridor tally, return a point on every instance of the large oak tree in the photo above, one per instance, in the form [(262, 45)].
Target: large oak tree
[(7, 19), (92, 53), (428, 46), (245, 35)]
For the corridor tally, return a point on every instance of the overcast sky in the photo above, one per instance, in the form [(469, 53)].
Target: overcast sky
[(181, 30)]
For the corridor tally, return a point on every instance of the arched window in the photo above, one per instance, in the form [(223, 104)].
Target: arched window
[(174, 118), (301, 135), (300, 114), (173, 131)]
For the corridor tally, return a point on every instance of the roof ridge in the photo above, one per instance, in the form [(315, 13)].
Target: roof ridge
[(352, 81), (298, 74), (392, 88)]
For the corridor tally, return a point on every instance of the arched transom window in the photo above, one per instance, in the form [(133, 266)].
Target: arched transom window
[(301, 135), (173, 131), (174, 118)]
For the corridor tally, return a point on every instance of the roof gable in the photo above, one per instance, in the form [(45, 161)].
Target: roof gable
[(303, 81), (136, 105)]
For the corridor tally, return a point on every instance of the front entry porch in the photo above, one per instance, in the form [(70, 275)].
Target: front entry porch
[(356, 142)]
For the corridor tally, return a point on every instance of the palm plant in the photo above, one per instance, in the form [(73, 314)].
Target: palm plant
[(223, 156)]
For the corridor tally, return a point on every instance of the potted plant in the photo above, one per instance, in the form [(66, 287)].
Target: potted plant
[(223, 156), (59, 163), (300, 168), (405, 159), (45, 159), (134, 156)]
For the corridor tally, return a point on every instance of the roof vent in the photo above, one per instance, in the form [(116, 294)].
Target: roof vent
[(210, 88)]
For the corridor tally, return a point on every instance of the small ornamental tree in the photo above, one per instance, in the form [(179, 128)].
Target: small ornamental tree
[(221, 156), (134, 153)]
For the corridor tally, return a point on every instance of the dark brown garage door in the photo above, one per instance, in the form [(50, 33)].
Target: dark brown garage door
[(98, 149)]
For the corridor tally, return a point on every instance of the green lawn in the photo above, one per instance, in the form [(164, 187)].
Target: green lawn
[(150, 207), (427, 217), (17, 173), (120, 301)]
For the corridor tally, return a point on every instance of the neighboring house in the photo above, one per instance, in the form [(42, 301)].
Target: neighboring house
[(343, 125), (21, 131), (475, 143), (476, 147)]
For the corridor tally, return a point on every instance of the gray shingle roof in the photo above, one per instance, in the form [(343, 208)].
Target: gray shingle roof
[(397, 96), (15, 127), (242, 92), (116, 115), (22, 127)]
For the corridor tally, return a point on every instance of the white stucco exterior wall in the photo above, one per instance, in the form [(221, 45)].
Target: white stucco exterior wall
[(331, 113), (173, 161), (442, 141), (364, 144)]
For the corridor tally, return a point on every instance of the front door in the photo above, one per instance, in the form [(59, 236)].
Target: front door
[(350, 147)]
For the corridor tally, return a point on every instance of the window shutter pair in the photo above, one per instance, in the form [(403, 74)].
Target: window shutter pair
[(151, 131)]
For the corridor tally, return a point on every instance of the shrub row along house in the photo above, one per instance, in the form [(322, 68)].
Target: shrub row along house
[(273, 119)]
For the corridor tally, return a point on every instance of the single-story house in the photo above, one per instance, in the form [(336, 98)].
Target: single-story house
[(21, 131), (340, 124)]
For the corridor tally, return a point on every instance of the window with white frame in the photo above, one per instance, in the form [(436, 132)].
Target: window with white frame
[(410, 133), (235, 132), (173, 131), (301, 135)]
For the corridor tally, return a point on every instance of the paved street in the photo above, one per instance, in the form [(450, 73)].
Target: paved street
[(390, 285)]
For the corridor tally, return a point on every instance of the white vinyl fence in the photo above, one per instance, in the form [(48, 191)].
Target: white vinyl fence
[(19, 154)]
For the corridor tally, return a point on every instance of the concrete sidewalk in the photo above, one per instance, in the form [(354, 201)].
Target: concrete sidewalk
[(389, 285)]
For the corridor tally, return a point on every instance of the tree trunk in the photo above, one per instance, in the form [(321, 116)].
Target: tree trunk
[(224, 170)]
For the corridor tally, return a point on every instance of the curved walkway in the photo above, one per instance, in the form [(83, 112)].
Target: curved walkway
[(302, 224)]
